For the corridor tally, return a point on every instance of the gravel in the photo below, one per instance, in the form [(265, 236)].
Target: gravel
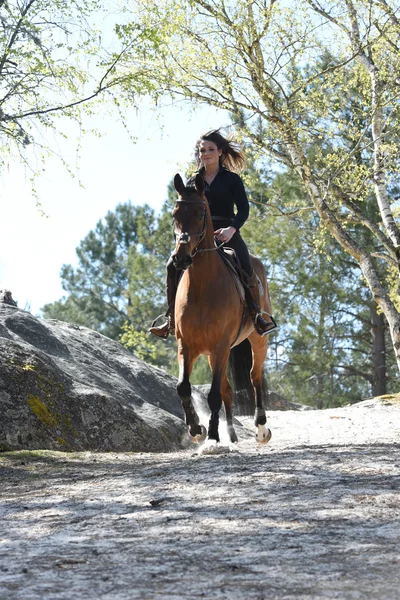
[(315, 514)]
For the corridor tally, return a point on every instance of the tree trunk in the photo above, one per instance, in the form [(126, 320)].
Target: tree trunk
[(379, 294), (378, 352)]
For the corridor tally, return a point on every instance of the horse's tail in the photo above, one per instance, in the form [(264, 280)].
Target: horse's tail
[(239, 367)]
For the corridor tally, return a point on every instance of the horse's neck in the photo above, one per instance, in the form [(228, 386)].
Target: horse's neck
[(205, 264), (201, 276)]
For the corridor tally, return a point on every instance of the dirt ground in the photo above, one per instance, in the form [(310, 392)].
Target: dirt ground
[(313, 515)]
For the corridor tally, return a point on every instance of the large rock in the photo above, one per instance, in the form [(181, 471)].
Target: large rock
[(70, 388)]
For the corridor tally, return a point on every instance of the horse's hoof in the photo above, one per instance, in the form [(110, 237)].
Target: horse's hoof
[(263, 434), (232, 435), (199, 437)]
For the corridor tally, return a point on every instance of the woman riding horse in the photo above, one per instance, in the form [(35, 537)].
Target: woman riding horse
[(224, 191), (211, 320)]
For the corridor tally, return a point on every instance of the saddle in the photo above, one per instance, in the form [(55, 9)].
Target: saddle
[(240, 277)]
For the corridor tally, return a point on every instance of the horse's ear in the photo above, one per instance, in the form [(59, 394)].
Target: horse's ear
[(199, 183), (178, 184)]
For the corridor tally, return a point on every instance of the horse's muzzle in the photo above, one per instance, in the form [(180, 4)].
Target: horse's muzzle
[(182, 262)]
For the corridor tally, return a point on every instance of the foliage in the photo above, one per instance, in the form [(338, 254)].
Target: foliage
[(322, 352), (138, 342), (98, 287), (53, 67), (118, 286)]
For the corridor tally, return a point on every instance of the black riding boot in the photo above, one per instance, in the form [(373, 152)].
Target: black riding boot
[(262, 324), (168, 327)]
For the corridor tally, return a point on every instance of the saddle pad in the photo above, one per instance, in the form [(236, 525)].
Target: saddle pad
[(229, 257), (231, 260)]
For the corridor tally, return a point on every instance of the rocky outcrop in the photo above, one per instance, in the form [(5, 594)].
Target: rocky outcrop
[(70, 388), (6, 298)]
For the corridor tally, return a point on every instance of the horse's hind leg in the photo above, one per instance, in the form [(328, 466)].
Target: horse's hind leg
[(226, 392), (259, 347), (186, 361), (218, 362)]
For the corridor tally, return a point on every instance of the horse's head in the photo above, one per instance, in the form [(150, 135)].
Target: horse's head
[(190, 221)]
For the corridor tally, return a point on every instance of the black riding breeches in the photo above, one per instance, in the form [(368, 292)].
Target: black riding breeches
[(238, 244)]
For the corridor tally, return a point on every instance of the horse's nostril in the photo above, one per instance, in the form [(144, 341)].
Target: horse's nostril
[(182, 262)]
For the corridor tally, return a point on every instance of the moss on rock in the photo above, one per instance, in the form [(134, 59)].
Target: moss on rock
[(39, 409)]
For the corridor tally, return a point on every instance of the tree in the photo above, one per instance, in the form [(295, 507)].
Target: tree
[(323, 350), (52, 65), (99, 293), (258, 60), (118, 286), (312, 275)]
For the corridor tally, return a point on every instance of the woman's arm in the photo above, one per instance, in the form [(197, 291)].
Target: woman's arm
[(241, 202)]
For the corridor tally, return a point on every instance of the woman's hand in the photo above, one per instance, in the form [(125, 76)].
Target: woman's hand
[(224, 234)]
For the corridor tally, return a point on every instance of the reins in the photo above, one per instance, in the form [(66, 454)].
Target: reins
[(202, 250)]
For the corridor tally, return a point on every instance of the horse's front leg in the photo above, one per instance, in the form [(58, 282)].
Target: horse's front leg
[(218, 362), (227, 398), (259, 347), (186, 361)]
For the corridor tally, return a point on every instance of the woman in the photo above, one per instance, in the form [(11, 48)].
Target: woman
[(217, 159)]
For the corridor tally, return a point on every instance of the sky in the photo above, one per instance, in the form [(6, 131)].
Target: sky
[(112, 170)]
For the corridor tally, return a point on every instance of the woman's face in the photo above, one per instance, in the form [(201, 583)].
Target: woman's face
[(209, 154)]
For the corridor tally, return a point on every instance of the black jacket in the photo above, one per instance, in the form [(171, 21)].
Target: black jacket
[(225, 192)]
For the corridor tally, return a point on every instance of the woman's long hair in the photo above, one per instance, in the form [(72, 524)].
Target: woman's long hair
[(232, 157)]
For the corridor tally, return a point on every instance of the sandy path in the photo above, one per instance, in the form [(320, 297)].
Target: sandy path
[(314, 515)]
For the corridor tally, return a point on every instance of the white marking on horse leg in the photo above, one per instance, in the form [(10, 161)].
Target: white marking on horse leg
[(199, 438), (263, 434)]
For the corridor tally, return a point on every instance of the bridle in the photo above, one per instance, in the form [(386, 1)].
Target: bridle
[(185, 237)]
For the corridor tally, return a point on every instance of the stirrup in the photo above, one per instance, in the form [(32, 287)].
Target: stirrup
[(164, 330), (273, 325)]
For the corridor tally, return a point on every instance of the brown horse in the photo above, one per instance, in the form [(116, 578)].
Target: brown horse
[(210, 317)]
